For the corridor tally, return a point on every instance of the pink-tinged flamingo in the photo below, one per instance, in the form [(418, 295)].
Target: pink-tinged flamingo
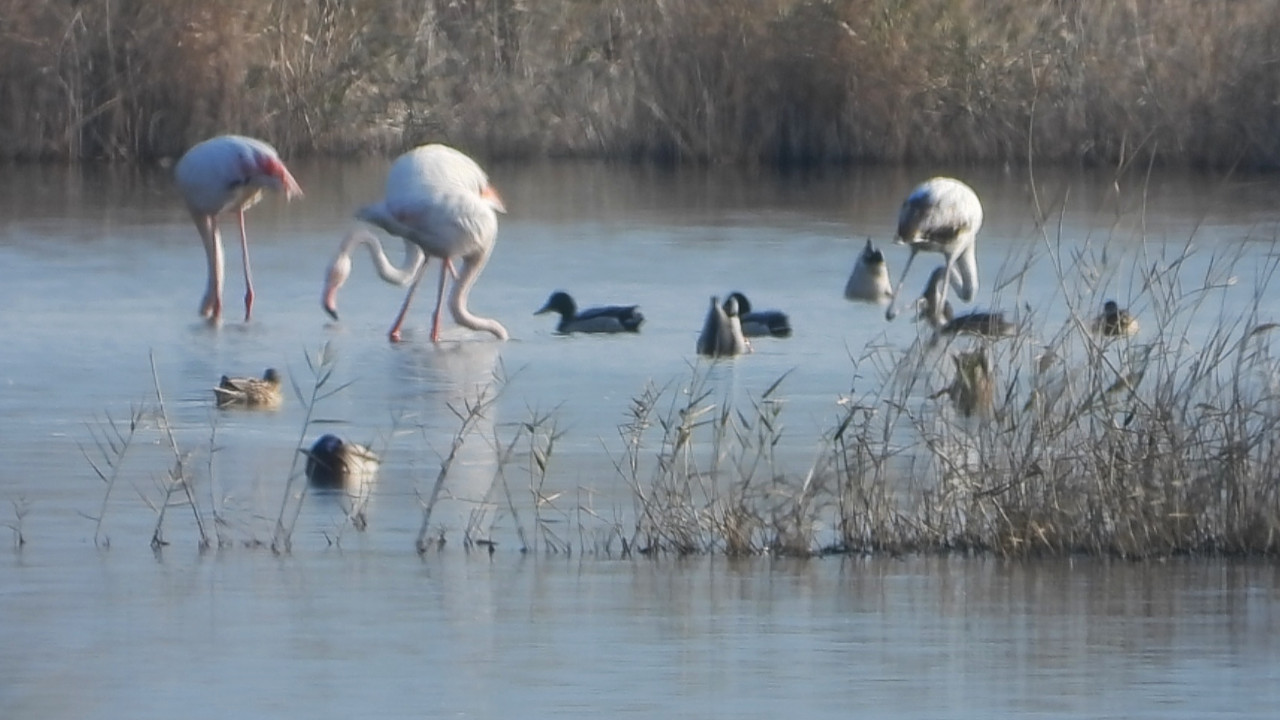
[(223, 174), (941, 215), (441, 204)]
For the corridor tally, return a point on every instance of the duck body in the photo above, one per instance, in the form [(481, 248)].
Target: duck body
[(985, 324), (869, 281), (759, 323), (972, 391), (264, 392), (334, 463), (347, 469), (939, 314), (1115, 322), (722, 330), (605, 319)]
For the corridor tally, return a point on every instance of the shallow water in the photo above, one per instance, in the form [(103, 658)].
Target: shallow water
[(103, 271)]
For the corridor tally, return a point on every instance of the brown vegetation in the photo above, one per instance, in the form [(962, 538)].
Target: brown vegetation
[(775, 81)]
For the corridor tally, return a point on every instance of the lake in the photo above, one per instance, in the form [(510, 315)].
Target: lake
[(103, 275)]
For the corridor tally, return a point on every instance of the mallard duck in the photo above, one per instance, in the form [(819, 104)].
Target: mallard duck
[(1114, 322), (346, 468), (946, 322), (759, 323), (869, 281), (332, 463), (251, 392), (942, 215), (972, 390), (722, 331), (607, 319)]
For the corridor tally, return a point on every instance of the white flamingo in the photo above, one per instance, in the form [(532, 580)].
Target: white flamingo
[(224, 174), (942, 215), (441, 204)]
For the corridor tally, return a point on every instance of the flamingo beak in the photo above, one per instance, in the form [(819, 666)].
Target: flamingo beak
[(276, 169)]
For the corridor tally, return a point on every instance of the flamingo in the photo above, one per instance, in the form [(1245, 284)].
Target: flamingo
[(441, 204), (224, 174), (942, 215)]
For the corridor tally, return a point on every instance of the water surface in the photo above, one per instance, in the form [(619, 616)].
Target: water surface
[(103, 272)]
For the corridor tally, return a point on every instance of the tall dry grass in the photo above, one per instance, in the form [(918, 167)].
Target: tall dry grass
[(775, 81)]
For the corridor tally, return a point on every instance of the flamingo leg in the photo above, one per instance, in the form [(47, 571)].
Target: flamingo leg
[(248, 275), (892, 311), (211, 305), (394, 335), (445, 272)]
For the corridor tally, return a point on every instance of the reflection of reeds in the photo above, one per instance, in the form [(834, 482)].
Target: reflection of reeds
[(786, 81), (20, 509)]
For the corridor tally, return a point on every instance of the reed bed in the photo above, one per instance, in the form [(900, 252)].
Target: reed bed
[(1067, 442), (776, 81), (1132, 447)]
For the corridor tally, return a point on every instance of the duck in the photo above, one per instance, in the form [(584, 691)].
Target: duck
[(722, 331), (251, 392), (944, 320), (333, 463), (759, 323), (972, 390), (607, 319), (1115, 322), (346, 469), (869, 281)]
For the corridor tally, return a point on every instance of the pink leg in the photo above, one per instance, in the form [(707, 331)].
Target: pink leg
[(211, 305), (248, 276), (445, 272), (394, 335)]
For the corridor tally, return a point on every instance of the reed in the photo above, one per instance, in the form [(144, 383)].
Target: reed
[(776, 81), (322, 365), (21, 508)]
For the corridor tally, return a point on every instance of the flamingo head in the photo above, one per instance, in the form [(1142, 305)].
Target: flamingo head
[(338, 273), (279, 176), (491, 196)]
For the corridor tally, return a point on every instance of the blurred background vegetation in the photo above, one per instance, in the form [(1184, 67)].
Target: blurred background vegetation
[(756, 81)]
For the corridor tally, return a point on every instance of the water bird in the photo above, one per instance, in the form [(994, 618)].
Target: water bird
[(942, 215), (972, 390), (250, 392), (348, 468), (1115, 322), (225, 174), (607, 319), (869, 281), (722, 331), (440, 202), (939, 314), (759, 323)]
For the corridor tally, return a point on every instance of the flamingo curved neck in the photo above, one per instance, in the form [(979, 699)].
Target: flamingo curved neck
[(387, 270), (472, 265)]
